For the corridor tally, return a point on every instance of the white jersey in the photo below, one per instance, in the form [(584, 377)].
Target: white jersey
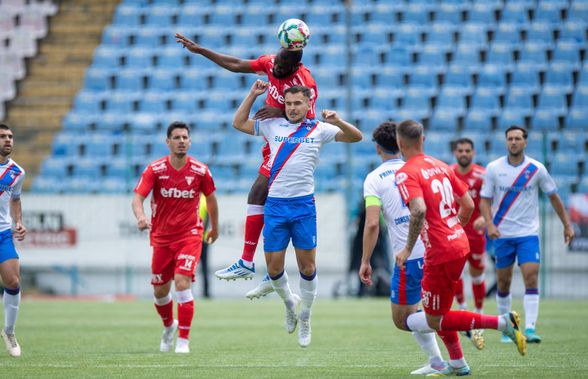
[(515, 199), (295, 150), (381, 183), (11, 179)]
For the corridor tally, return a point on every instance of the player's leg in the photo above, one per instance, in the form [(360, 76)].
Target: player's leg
[(460, 295), (308, 290), (528, 258), (244, 268), (10, 273), (279, 281), (476, 263), (505, 254), (187, 256), (162, 270)]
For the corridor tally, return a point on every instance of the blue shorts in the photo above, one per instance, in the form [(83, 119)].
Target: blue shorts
[(291, 218), (524, 249), (405, 288), (7, 249)]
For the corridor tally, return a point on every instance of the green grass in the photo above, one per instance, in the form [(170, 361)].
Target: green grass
[(243, 339)]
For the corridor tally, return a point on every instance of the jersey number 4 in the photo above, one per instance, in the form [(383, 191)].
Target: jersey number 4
[(447, 200)]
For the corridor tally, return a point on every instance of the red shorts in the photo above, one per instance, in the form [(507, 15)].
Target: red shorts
[(178, 258), (477, 250), (438, 286), (265, 167)]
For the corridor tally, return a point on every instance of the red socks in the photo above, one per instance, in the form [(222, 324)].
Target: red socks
[(451, 341), (465, 320), (253, 228), (479, 291), (166, 312), (185, 315)]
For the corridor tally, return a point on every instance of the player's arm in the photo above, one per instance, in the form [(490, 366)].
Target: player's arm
[(228, 62), (486, 212), (349, 133), (371, 230), (241, 120), (466, 208), (559, 208), (16, 213), (137, 205), (212, 207)]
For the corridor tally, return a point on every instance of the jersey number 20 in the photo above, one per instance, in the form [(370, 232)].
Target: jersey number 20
[(446, 204)]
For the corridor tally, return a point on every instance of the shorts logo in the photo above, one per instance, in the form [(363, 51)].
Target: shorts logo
[(157, 278)]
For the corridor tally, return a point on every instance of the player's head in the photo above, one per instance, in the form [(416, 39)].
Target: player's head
[(516, 140), (463, 150), (6, 140), (297, 102), (385, 138), (410, 135), (178, 138), (286, 62)]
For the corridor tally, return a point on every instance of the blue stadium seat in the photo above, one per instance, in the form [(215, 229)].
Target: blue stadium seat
[(478, 120), (222, 16), (545, 119), (55, 167), (110, 122), (161, 16), (77, 122), (366, 56), (448, 14), (441, 36), (106, 57), (81, 185), (128, 15), (418, 103), (525, 78), (445, 119), (117, 36), (47, 185), (573, 32), (149, 38), (458, 80), (191, 16), (138, 58), (532, 54), (407, 35), (87, 167), (540, 33), (506, 119), (559, 77), (373, 35), (141, 123), (387, 102), (424, 80), (473, 35), (466, 58), (193, 79), (492, 78), (433, 58), (502, 55), (507, 34), (577, 119), (565, 164), (568, 54), (578, 11), (552, 100), (99, 146), (520, 100), (548, 12), (121, 102), (97, 79), (399, 58), (515, 13), (485, 100), (65, 145), (482, 14), (580, 98), (89, 102), (162, 80), (153, 102), (414, 14), (130, 80), (450, 100)]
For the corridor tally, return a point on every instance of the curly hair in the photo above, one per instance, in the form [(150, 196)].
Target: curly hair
[(385, 136)]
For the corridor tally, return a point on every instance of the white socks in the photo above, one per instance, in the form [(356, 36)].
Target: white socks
[(11, 305), (184, 296), (504, 302), (531, 305), (282, 288), (308, 285), (417, 322), (428, 344), (163, 300)]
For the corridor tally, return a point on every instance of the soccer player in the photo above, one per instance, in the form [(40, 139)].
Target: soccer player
[(432, 192), (290, 213), (381, 195), (473, 176), (11, 226), (283, 71), (510, 207), (176, 182)]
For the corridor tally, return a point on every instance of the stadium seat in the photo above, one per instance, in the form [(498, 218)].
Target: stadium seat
[(478, 120), (507, 34), (163, 80), (161, 16), (525, 78), (458, 81), (548, 12), (138, 58), (407, 35), (154, 102), (88, 102), (573, 32), (578, 11), (565, 164), (519, 100), (473, 35), (481, 13), (492, 78), (128, 15), (448, 14), (551, 99), (47, 185), (559, 77), (399, 58), (55, 167), (568, 54), (485, 100), (532, 54), (130, 80), (466, 58), (450, 100), (415, 14), (424, 80), (441, 36), (433, 58), (540, 33), (545, 119), (577, 119), (97, 79), (192, 16), (417, 103), (501, 55), (515, 13), (65, 145), (444, 119)]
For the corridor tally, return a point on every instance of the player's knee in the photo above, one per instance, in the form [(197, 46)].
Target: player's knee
[(433, 322), (307, 269), (258, 193), (399, 322), (12, 283), (160, 292)]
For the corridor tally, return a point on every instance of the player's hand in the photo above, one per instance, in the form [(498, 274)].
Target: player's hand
[(267, 111), (330, 116), (365, 274), (187, 43), (258, 87), (480, 224), (569, 234), (211, 236), (493, 232), (19, 231), (143, 224), (401, 257)]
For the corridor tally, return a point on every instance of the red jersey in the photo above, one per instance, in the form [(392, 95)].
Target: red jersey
[(175, 201), (275, 92), (474, 180), (431, 179)]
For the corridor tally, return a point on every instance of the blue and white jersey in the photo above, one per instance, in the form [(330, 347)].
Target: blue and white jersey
[(381, 183), (295, 150), (514, 194), (11, 179)]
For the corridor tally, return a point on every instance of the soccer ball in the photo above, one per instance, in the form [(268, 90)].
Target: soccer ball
[(293, 34)]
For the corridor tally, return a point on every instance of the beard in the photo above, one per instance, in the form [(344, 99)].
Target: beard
[(464, 162)]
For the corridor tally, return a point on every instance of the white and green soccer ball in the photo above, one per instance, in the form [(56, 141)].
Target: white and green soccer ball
[(293, 34)]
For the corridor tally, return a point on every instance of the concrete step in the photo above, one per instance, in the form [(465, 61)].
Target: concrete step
[(44, 88), (61, 72)]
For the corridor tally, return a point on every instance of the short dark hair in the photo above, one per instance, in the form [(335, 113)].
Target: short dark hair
[(385, 136), (460, 141), (292, 57), (177, 125), (4, 127), (410, 129), (297, 89), (516, 127)]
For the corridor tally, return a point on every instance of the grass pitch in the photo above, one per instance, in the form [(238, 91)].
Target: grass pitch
[(242, 339)]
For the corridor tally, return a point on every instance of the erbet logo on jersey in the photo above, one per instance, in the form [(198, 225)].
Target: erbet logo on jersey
[(176, 193), (293, 34)]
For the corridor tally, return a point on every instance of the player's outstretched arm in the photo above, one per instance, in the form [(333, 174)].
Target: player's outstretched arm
[(19, 230), (228, 62), (212, 207), (137, 205), (349, 133), (466, 208), (559, 208), (371, 230), (241, 120)]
